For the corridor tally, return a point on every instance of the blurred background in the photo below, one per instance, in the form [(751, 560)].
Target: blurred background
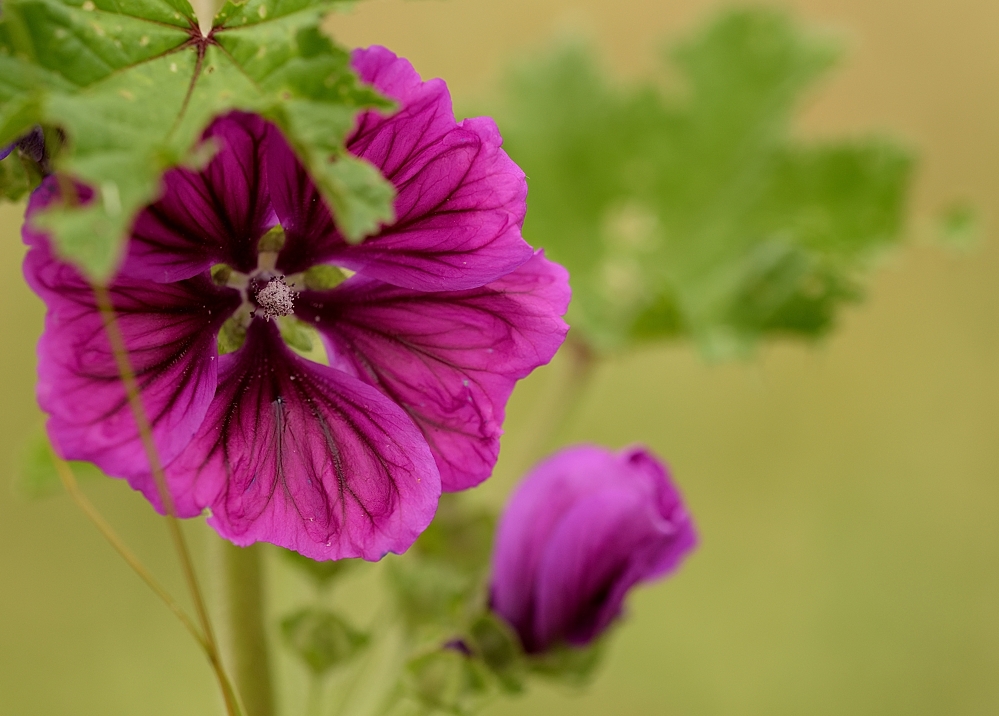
[(846, 492)]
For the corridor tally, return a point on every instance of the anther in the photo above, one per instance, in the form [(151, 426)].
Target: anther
[(275, 299)]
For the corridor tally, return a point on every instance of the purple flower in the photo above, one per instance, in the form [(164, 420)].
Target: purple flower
[(448, 307), (582, 529)]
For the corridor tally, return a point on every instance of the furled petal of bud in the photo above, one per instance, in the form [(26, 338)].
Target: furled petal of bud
[(582, 529)]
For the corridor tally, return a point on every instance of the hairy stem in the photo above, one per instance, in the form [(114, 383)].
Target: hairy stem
[(87, 507), (240, 590), (133, 394)]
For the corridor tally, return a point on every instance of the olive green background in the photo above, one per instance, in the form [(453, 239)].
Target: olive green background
[(847, 494)]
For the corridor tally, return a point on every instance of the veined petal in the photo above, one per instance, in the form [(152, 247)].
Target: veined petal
[(598, 551), (211, 216), (460, 200), (582, 528), (307, 457), (170, 333), (450, 359)]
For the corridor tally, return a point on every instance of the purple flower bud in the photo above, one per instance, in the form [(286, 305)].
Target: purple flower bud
[(31, 144), (583, 528)]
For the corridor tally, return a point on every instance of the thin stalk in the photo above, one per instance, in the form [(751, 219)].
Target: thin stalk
[(243, 631), (314, 700), (133, 395), (87, 507), (577, 362)]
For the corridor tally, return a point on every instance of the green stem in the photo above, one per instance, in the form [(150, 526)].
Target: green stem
[(242, 627), (314, 701), (87, 507), (574, 366), (133, 395)]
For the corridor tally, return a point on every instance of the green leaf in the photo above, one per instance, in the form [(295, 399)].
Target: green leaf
[(460, 535), (15, 181), (321, 639), (446, 680), (440, 581), (959, 226), (322, 573), (693, 212), (132, 89), (431, 595), (498, 646), (35, 475)]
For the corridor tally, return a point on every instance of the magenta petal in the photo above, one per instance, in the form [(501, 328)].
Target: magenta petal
[(582, 528), (598, 551), (169, 331), (207, 217), (460, 204), (307, 457), (450, 359)]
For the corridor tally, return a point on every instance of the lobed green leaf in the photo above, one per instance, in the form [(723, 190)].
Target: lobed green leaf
[(133, 88), (693, 212)]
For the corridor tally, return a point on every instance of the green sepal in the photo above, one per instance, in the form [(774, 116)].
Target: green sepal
[(273, 240), (296, 334), (571, 665), (232, 335), (323, 277)]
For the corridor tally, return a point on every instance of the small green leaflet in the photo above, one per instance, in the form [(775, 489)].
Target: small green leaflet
[(692, 212), (133, 89), (35, 475)]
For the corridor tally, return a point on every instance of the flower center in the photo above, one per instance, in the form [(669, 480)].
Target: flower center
[(276, 299)]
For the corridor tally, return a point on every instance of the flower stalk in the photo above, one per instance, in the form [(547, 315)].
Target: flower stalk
[(240, 594), (574, 369), (69, 482), (102, 297)]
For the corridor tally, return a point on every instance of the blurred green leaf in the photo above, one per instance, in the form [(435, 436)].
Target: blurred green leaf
[(431, 595), (440, 581), (35, 475), (133, 86), (498, 646), (461, 534), (959, 226), (321, 638), (15, 181), (322, 573), (446, 680), (692, 212)]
